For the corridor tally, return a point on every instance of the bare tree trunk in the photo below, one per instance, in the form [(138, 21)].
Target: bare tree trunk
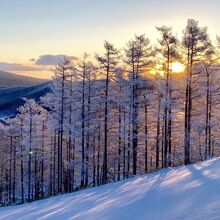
[(210, 127), (188, 109), (22, 163), (88, 131), (119, 143), (124, 147), (170, 122), (135, 130), (54, 163), (146, 138), (51, 166), (60, 137), (93, 160), (83, 129), (42, 160), (73, 159), (98, 155), (10, 170), (129, 145), (158, 134), (208, 117), (14, 172), (105, 156), (30, 158)]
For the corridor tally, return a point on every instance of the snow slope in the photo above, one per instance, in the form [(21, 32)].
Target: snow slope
[(191, 192)]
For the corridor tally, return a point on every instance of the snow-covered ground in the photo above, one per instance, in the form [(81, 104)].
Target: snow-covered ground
[(191, 193)]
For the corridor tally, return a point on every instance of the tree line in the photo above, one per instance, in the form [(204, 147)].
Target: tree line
[(126, 113)]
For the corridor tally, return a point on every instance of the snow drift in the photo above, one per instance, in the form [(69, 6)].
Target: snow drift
[(191, 192)]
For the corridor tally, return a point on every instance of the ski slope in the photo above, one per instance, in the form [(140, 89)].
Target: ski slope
[(191, 193)]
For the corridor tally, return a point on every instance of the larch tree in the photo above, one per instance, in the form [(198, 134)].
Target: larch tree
[(167, 53), (138, 54), (108, 64), (196, 45)]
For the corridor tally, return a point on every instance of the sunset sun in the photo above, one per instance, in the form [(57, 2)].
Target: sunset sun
[(177, 67)]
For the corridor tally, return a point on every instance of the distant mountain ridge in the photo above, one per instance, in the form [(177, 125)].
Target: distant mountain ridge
[(11, 80), (12, 98), (13, 88)]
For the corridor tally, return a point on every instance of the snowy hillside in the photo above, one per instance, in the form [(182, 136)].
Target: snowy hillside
[(191, 192)]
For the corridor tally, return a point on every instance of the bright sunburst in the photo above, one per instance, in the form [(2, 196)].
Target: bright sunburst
[(177, 67)]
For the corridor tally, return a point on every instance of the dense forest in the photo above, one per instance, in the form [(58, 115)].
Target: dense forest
[(127, 112)]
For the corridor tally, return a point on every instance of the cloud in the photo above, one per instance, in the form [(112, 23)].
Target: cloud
[(49, 59), (19, 67), (43, 63)]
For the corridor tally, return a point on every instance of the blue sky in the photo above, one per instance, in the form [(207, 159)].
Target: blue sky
[(34, 28)]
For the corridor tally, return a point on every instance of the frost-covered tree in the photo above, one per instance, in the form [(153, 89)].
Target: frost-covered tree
[(108, 64), (196, 46), (138, 57)]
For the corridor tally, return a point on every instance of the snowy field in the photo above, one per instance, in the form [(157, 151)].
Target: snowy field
[(190, 193)]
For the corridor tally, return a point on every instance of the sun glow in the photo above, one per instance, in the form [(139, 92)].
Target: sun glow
[(177, 67)]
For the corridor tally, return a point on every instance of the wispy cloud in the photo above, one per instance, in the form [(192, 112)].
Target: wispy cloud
[(19, 67), (35, 66)]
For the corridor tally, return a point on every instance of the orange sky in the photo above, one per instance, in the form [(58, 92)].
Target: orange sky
[(37, 29)]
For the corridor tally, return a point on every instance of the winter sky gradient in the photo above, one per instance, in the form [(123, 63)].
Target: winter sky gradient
[(30, 29)]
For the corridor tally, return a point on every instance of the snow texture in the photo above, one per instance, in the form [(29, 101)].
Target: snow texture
[(190, 193)]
